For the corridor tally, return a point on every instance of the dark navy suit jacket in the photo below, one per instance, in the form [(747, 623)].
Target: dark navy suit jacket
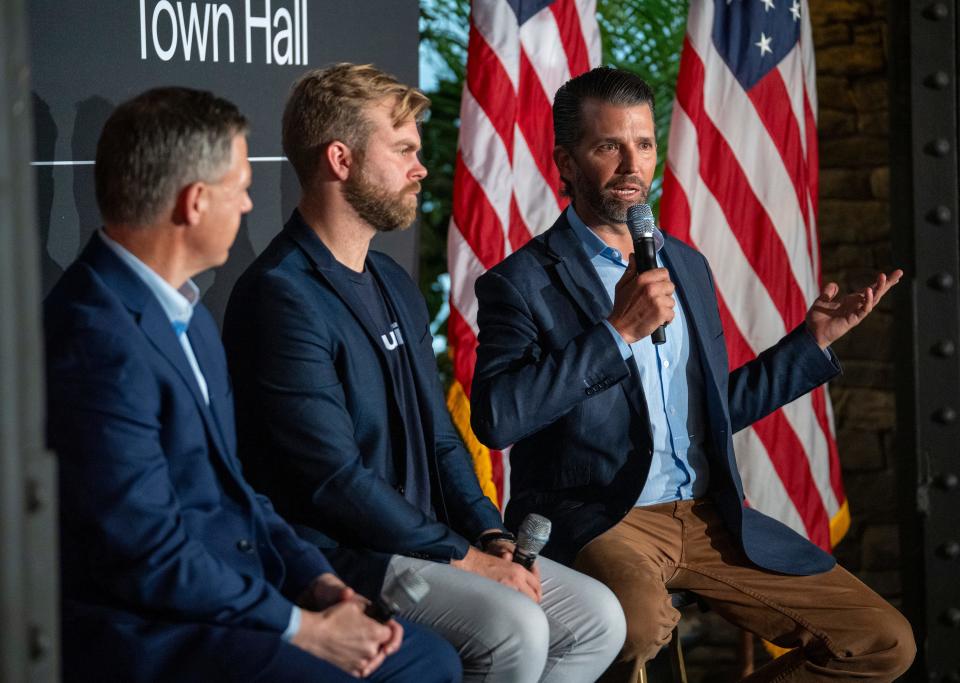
[(312, 383), (157, 522), (550, 379)]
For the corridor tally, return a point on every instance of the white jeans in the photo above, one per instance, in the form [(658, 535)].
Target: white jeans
[(503, 636)]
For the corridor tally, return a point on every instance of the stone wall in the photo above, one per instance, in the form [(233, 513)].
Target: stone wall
[(851, 38)]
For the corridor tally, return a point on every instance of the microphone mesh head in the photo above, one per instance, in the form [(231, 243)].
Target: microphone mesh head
[(406, 591), (640, 219), (533, 534)]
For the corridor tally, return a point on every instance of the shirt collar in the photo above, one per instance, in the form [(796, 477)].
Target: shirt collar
[(594, 246), (178, 304)]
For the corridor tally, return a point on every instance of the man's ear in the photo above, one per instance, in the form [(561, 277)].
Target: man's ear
[(191, 204), (565, 163), (339, 159)]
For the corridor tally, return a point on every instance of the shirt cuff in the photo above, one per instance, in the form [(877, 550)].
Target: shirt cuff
[(293, 626), (625, 350)]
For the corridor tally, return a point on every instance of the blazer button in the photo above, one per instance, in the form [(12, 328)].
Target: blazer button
[(401, 490), (244, 546)]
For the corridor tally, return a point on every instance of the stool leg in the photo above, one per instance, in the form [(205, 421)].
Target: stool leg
[(745, 654), (676, 658)]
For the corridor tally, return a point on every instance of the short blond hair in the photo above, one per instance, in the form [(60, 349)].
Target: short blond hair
[(328, 104)]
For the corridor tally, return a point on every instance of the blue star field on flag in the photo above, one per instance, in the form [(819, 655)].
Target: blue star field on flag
[(524, 9), (753, 36)]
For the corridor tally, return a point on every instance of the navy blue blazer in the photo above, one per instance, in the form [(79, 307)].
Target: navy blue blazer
[(550, 380), (157, 522), (311, 382)]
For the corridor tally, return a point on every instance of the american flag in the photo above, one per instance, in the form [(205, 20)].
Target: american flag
[(741, 186), (506, 187)]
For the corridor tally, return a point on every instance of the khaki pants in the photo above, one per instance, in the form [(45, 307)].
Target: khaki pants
[(840, 628)]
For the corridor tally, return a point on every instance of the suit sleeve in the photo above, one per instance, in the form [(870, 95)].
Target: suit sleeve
[(786, 371), (299, 389), (470, 510), (518, 387), (303, 561), (104, 421)]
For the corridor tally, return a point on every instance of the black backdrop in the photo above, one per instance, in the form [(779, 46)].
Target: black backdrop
[(89, 55)]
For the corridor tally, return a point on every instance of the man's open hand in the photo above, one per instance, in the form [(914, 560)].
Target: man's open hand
[(832, 316)]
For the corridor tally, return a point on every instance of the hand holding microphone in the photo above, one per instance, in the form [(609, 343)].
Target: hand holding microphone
[(643, 300), (640, 224), (531, 538), (401, 594)]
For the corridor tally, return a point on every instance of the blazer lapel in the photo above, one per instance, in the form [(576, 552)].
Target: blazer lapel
[(575, 271), (695, 301), (150, 317), (202, 342), (326, 266), (584, 286)]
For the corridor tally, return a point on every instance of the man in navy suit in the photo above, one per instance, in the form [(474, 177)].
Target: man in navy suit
[(342, 414), (173, 568), (626, 446)]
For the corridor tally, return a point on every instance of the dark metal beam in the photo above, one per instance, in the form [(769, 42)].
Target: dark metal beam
[(28, 559), (924, 178)]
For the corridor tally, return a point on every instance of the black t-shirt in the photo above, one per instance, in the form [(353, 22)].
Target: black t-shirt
[(407, 470)]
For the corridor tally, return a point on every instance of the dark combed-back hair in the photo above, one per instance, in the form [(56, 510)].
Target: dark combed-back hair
[(157, 143), (606, 84)]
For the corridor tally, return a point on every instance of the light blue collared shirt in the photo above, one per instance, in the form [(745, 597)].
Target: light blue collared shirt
[(178, 304), (672, 385)]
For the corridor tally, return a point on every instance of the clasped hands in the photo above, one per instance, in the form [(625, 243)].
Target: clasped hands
[(334, 627)]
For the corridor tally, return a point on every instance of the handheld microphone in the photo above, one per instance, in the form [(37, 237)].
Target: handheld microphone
[(640, 225), (403, 593), (533, 535)]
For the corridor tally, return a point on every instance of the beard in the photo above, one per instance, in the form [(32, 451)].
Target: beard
[(385, 211), (604, 202)]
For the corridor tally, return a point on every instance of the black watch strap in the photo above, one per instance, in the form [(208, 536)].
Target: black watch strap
[(490, 536)]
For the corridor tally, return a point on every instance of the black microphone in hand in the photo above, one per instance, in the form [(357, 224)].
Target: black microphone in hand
[(403, 593), (640, 224), (533, 534)]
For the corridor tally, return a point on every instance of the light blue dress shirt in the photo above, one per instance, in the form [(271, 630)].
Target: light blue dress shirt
[(672, 385), (178, 304)]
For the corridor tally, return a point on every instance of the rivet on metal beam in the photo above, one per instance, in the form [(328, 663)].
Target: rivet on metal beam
[(951, 617), (943, 348), (941, 281), (936, 11), (949, 550), (938, 80), (938, 148), (39, 643), (940, 215), (945, 415), (36, 497), (948, 481)]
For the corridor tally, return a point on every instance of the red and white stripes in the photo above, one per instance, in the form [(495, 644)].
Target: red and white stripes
[(741, 186), (506, 187)]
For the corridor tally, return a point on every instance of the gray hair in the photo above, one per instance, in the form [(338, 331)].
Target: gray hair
[(156, 144)]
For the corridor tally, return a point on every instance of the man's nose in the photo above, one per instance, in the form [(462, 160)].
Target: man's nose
[(629, 160)]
